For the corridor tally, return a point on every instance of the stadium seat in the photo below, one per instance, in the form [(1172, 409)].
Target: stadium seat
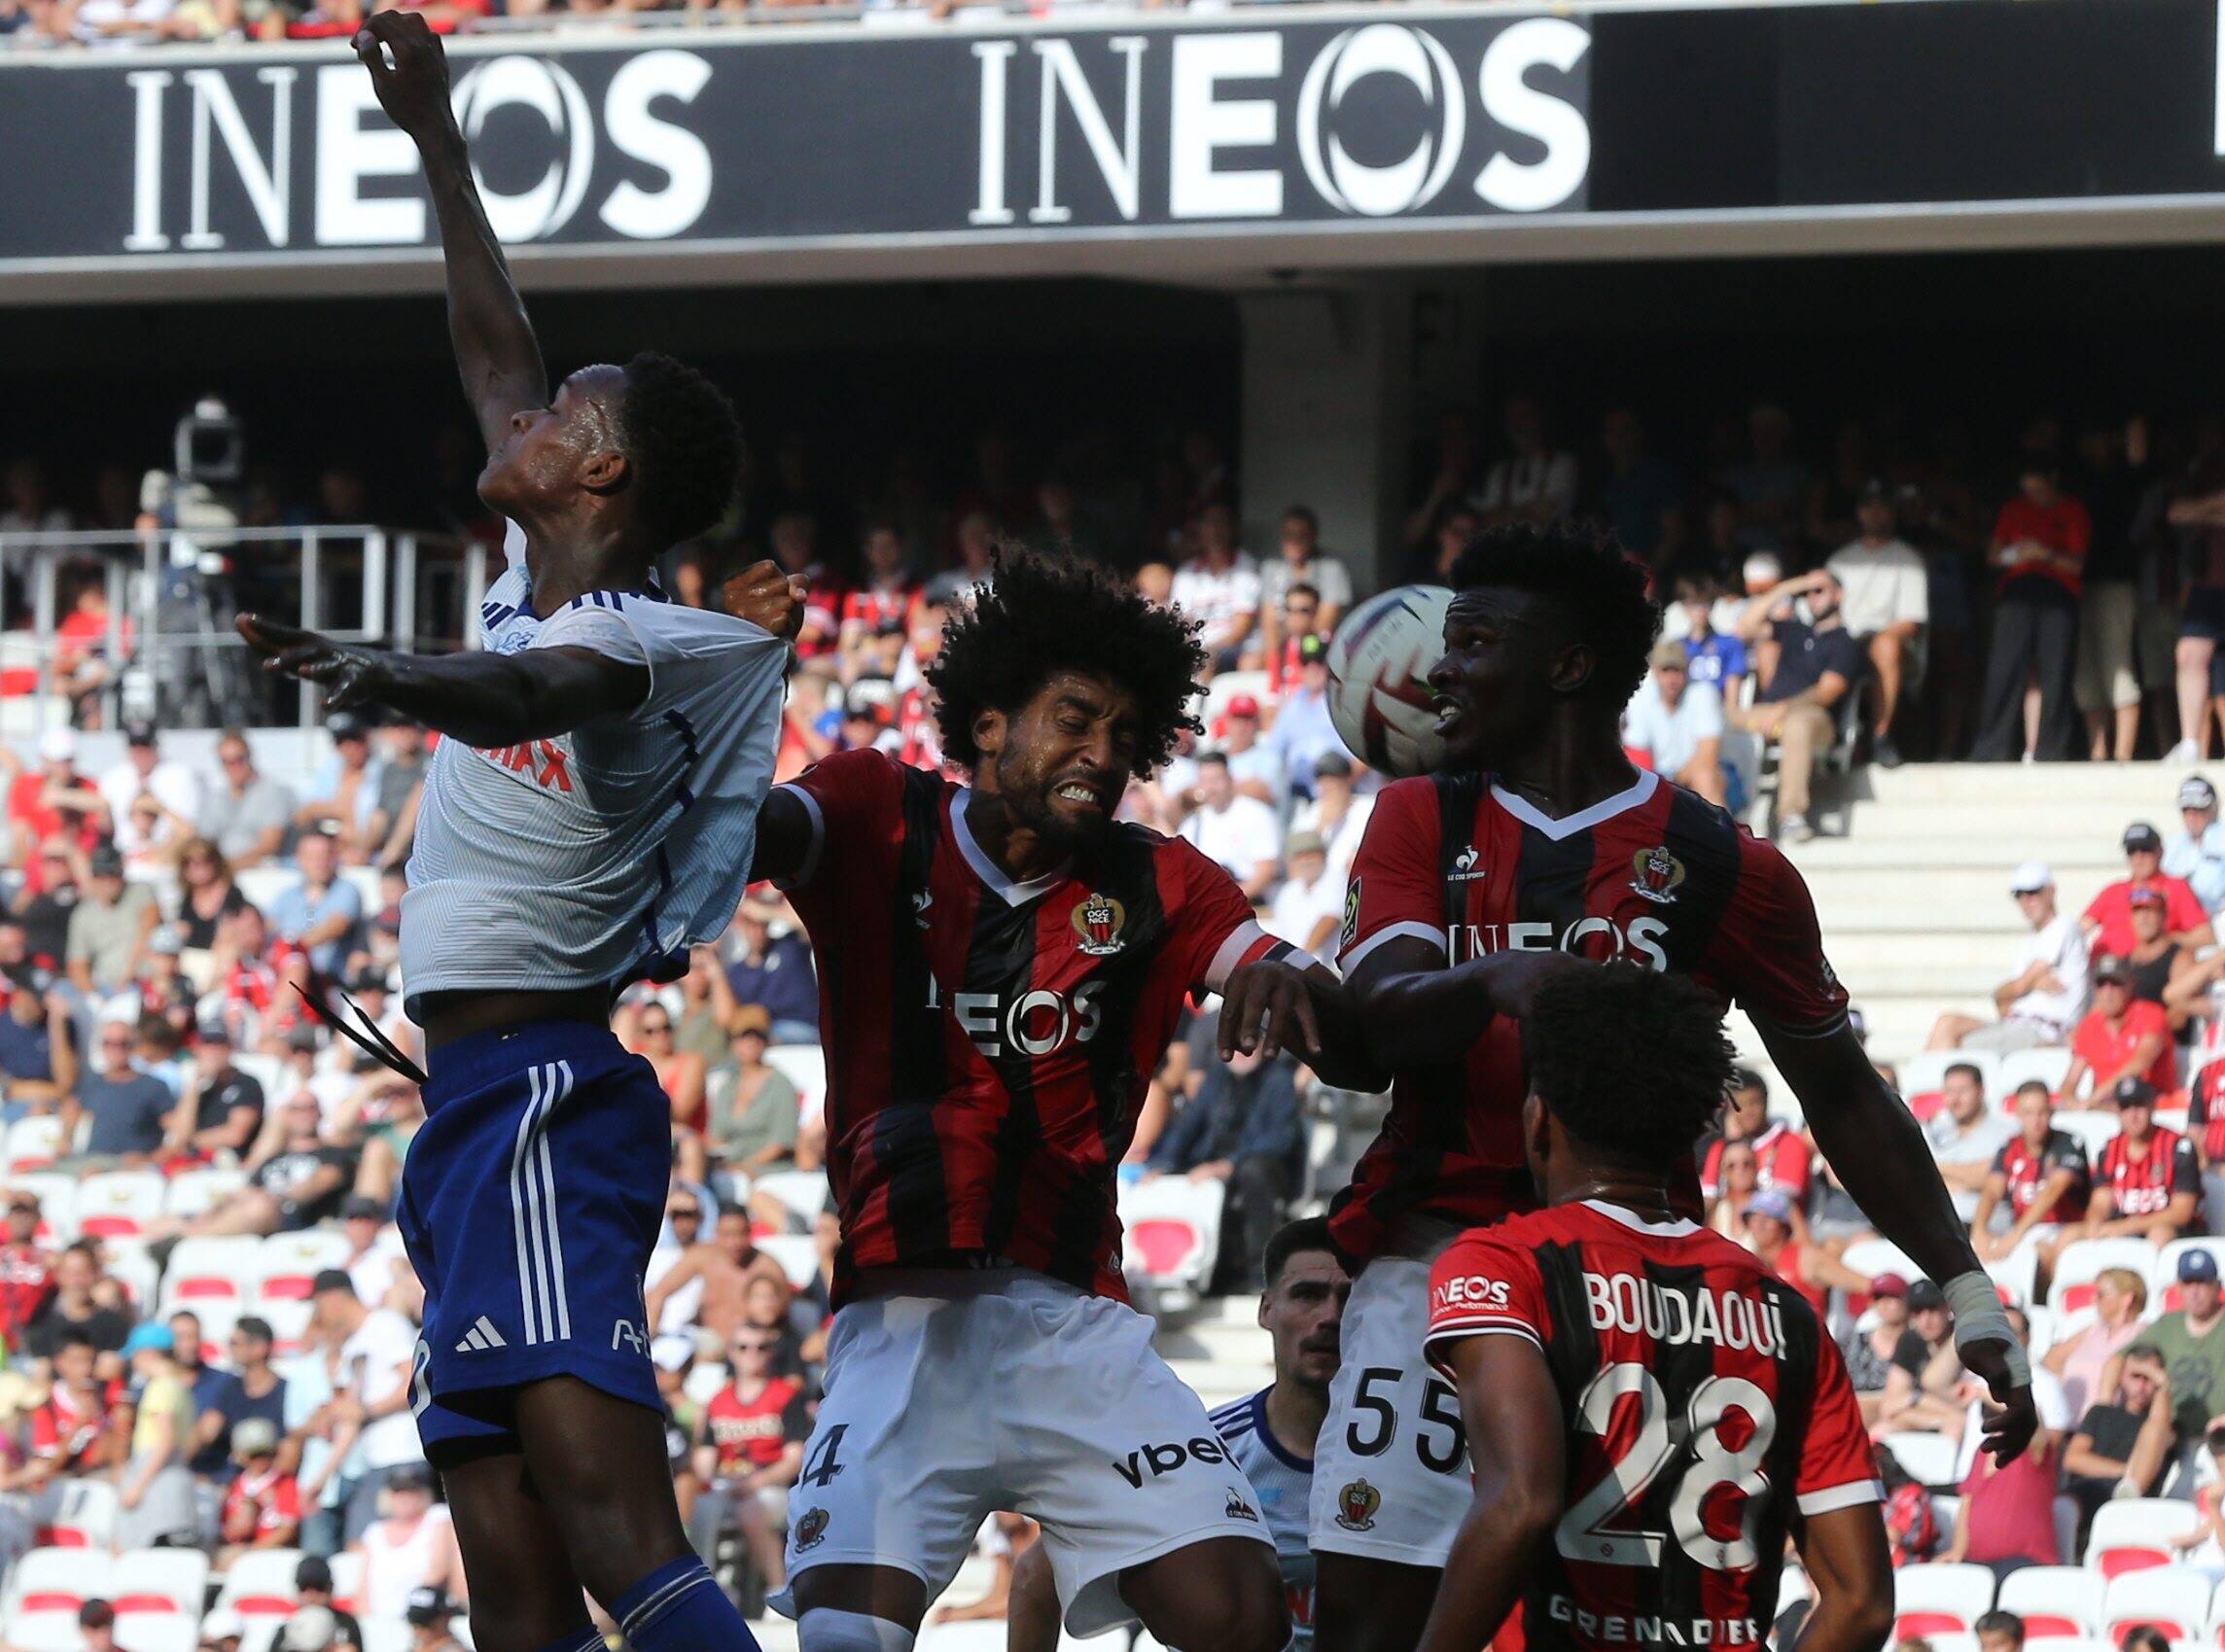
[(1940, 1598), (1923, 1075), (288, 1263), (2017, 1277), (806, 1066), (33, 1143), (347, 1582), (118, 1204), (58, 1580), (45, 1631), (85, 1519), (704, 1379), (268, 1070), (206, 1271), (196, 1192), (1874, 1257), (2094, 1130), (260, 1585), (159, 1580), (2079, 1264), (2163, 1283), (1225, 686), (2066, 1643), (2165, 1598), (797, 1254), (1173, 1230), (2055, 1601), (1928, 1458), (289, 1321), (2136, 1532), (802, 1191), (157, 1632), (2048, 1065)]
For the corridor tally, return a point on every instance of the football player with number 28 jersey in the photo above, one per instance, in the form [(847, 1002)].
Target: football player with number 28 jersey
[(1536, 843), (1001, 967), (1647, 1406)]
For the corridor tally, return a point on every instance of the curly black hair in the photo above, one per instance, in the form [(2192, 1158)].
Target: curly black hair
[(1587, 574), (1633, 1064), (685, 442), (1042, 615)]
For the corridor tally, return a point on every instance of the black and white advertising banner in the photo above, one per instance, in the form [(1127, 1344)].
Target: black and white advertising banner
[(872, 134), (1297, 125)]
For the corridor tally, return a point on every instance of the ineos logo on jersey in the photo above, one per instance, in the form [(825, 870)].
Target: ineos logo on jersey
[(1639, 940), (1470, 1290), (1033, 1024)]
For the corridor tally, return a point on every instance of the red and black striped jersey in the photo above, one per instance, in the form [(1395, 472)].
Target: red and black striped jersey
[(1656, 875), (2145, 1185), (989, 1042), (2024, 1171), (1703, 1404)]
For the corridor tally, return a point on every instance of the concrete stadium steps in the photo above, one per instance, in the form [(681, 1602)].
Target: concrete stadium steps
[(1218, 1348)]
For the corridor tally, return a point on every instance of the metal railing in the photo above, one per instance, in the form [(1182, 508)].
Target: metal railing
[(169, 648)]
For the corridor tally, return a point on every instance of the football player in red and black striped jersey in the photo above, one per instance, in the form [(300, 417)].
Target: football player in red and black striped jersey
[(1002, 964), (1648, 1410), (1537, 841)]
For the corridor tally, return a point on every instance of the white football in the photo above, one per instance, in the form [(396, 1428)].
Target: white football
[(1378, 678)]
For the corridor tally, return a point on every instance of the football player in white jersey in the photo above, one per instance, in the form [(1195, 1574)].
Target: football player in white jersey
[(590, 815), (1269, 1436)]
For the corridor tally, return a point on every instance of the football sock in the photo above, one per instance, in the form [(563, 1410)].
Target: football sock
[(679, 1608), (826, 1630)]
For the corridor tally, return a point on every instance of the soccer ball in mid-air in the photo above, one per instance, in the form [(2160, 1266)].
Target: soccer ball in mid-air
[(1378, 678)]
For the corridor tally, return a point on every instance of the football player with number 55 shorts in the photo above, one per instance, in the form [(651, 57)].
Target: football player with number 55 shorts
[(1651, 1410), (1534, 845), (588, 816), (1001, 967)]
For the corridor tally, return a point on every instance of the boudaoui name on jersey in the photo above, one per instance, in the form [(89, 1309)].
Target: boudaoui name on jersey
[(1625, 1302)]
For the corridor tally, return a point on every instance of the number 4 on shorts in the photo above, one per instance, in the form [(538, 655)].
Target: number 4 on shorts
[(822, 1467)]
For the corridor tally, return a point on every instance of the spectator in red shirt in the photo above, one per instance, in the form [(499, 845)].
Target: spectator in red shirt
[(54, 801), (2108, 916), (882, 602), (749, 1450), (2147, 1183), (1781, 1159), (2121, 1038), (2039, 546), (74, 1432), (263, 1509), (26, 1270)]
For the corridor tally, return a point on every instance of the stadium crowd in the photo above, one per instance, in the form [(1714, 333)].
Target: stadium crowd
[(209, 1325)]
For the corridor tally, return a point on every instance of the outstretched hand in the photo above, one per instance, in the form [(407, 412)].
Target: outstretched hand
[(409, 69), (349, 676), (2012, 1417)]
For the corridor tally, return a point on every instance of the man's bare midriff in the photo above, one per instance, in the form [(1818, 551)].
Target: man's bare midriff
[(449, 1016)]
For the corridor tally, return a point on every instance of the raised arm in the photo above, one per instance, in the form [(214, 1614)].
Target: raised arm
[(496, 352)]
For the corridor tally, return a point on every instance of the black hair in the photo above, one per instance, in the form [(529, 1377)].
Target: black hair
[(1976, 1073), (1745, 1078), (1307, 1233), (256, 1326), (1304, 514), (2039, 1084), (1039, 615), (2146, 1351), (1633, 1064), (2000, 1623), (685, 442), (1585, 572), (73, 1336)]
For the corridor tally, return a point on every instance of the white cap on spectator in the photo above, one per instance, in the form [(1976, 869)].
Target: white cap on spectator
[(2032, 877), (59, 745), (223, 1624)]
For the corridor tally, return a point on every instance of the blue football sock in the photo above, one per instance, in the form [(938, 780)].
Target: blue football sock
[(678, 1608)]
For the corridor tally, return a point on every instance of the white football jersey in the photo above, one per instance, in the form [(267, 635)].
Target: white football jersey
[(600, 855), (1285, 1486)]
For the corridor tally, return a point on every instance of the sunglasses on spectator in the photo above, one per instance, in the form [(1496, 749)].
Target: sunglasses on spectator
[(684, 1213), (652, 1028), (121, 1041), (754, 1345)]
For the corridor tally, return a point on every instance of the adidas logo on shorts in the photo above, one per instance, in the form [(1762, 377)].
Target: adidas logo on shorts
[(481, 1338)]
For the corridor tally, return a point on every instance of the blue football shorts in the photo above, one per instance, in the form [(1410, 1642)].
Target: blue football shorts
[(530, 1202)]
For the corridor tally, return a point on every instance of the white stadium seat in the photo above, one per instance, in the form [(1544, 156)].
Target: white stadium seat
[(261, 1584), (212, 1271), (85, 1518), (2094, 1130), (2048, 1065), (56, 1195), (1875, 1257), (268, 1070), (1928, 1458), (806, 1066), (289, 1321), (157, 1632), (118, 1204), (1940, 1598), (58, 1580), (2066, 1643), (2135, 1533), (797, 1254), (196, 1192), (33, 1143), (159, 1580), (802, 1191), (127, 1261), (2081, 1263), (1173, 1230), (46, 1632), (347, 1582), (2055, 1601), (2166, 1598), (288, 1263), (2018, 1276)]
